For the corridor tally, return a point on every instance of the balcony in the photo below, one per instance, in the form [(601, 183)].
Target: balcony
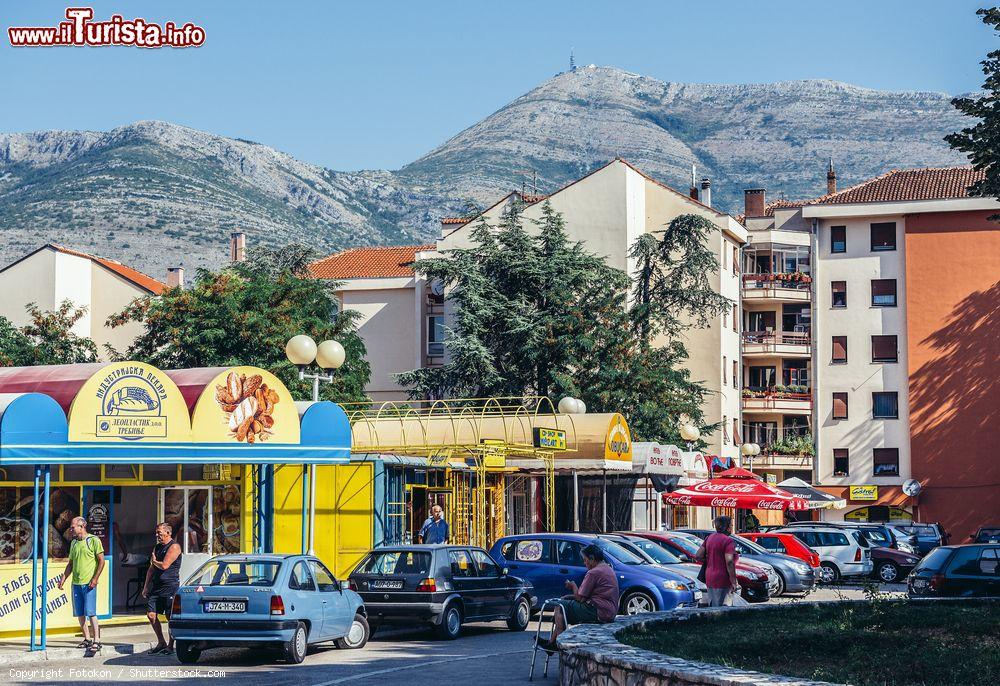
[(771, 344), (778, 399), (783, 287), (791, 448)]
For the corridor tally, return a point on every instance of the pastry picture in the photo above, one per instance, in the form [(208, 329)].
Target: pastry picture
[(248, 404)]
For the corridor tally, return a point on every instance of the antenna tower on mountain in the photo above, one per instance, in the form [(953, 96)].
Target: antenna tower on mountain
[(572, 61), (534, 181)]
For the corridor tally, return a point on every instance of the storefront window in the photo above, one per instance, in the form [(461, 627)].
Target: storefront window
[(226, 503), (121, 471), (17, 505), (82, 472), (159, 472)]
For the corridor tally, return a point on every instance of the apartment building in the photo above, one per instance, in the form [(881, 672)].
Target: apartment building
[(904, 277)]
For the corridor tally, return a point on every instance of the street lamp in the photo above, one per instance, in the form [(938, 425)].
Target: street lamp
[(302, 351), (690, 433), (570, 405), (750, 450)]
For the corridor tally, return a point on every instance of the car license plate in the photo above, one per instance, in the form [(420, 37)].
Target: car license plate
[(387, 583), (226, 606), (698, 596)]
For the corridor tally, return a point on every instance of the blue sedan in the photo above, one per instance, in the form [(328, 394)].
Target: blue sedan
[(286, 601), (549, 560)]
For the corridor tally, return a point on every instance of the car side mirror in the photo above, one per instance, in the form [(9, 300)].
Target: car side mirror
[(504, 572)]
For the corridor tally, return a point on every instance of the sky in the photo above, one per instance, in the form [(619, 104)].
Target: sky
[(376, 84)]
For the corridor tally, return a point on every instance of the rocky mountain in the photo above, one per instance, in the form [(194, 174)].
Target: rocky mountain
[(154, 194)]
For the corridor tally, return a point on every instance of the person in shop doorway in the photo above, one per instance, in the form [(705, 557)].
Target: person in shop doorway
[(435, 529), (162, 581), (718, 555), (86, 562), (595, 601), (752, 523)]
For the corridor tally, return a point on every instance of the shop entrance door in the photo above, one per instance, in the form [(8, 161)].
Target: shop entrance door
[(188, 511), (99, 511)]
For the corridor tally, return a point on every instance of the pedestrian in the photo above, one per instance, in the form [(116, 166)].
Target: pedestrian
[(718, 556), (435, 529), (163, 578), (595, 601), (86, 562), (751, 522)]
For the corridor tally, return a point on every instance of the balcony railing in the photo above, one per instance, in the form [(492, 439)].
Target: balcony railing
[(792, 441), (777, 398), (776, 342), (796, 281)]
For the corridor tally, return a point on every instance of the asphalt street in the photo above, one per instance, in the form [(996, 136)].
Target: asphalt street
[(485, 654)]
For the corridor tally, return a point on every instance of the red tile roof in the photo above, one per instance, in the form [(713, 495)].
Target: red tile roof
[(138, 278), (770, 207), (456, 220), (900, 185), (368, 263)]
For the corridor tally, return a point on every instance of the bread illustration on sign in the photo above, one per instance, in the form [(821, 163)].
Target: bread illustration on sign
[(248, 404)]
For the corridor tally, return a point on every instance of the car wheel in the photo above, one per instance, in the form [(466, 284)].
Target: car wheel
[(887, 572), (828, 573), (451, 622), (357, 635), (518, 621), (295, 649), (780, 587), (638, 602), (187, 652)]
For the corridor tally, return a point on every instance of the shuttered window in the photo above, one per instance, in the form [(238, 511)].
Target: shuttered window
[(736, 260), (838, 293), (884, 349), (840, 406), (883, 236), (884, 292), (736, 317), (886, 462), (736, 374), (841, 464), (885, 405), (839, 350), (838, 239)]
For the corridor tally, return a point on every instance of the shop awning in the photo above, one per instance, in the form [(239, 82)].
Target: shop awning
[(817, 499), (653, 458), (737, 488)]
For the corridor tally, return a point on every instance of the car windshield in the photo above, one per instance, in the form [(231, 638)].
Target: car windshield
[(236, 573), (927, 531), (988, 535), (658, 554), (396, 562), (619, 553), (877, 538), (935, 559), (685, 544)]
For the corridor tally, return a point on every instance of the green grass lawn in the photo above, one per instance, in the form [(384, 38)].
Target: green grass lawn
[(881, 644)]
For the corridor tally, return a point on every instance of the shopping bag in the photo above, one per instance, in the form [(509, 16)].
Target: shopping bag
[(735, 600)]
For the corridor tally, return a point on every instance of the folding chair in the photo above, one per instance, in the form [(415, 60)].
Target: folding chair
[(550, 604)]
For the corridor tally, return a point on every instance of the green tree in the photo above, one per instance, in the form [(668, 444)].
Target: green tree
[(244, 314), (47, 338), (981, 141)]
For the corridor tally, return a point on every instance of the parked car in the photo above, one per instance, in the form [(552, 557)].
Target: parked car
[(548, 560), (957, 571), (442, 586), (785, 544), (929, 536), (987, 534), (756, 581), (910, 539), (793, 575), (655, 555), (842, 552), (878, 535), (288, 601)]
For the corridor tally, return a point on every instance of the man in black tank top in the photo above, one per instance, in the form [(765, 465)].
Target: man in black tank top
[(162, 582)]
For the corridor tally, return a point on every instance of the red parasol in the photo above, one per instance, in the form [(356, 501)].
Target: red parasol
[(739, 488)]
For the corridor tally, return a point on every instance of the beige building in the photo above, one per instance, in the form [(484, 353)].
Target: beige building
[(53, 274), (607, 210)]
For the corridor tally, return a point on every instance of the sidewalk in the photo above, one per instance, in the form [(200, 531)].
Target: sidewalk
[(125, 640)]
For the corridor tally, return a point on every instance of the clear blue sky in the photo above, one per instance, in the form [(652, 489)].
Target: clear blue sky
[(367, 85)]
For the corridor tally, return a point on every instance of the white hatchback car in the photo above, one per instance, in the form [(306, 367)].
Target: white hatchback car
[(842, 551)]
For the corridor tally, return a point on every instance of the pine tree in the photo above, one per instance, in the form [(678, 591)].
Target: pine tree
[(982, 140)]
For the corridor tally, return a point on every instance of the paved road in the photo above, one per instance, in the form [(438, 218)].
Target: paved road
[(486, 654)]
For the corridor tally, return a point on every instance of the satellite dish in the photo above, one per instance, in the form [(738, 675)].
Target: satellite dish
[(911, 487)]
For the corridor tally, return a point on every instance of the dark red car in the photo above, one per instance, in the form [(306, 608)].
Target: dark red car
[(785, 544)]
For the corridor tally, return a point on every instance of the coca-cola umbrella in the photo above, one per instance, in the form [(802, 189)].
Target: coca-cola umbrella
[(737, 488)]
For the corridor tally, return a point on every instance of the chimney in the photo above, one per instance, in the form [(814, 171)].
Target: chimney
[(694, 186), (753, 202), (831, 179), (237, 246), (175, 277), (706, 192)]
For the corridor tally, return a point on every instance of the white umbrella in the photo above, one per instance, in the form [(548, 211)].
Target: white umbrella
[(818, 499)]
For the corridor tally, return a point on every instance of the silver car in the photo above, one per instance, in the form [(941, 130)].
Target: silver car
[(842, 551)]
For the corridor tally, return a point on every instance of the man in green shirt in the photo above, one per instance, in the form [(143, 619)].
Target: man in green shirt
[(86, 562)]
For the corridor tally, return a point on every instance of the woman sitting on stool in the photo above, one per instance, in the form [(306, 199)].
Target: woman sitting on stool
[(595, 601)]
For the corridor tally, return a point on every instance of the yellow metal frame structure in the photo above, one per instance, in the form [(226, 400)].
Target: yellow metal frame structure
[(485, 430)]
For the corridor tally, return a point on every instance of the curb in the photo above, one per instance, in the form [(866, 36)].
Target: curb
[(27, 657)]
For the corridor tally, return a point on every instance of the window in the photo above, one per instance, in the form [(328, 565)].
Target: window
[(487, 567), (324, 578), (725, 430), (883, 292), (736, 374), (840, 406), (965, 561), (762, 377), (883, 236), (884, 349), (736, 260), (772, 543), (461, 564), (989, 561), (885, 405), (841, 466), (570, 553), (838, 239), (435, 336), (839, 350), (527, 551), (886, 462), (395, 562), (761, 321), (838, 294), (736, 317), (725, 369), (736, 431), (300, 579)]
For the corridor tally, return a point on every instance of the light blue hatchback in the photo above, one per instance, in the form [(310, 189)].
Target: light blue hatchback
[(287, 601)]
